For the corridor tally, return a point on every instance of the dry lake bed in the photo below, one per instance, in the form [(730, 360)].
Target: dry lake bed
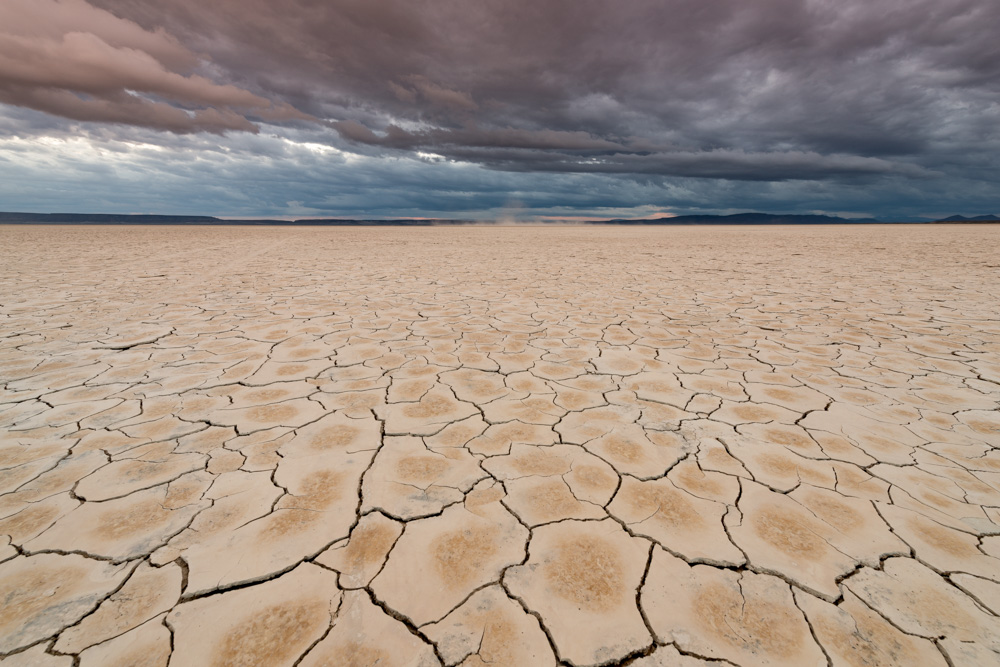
[(506, 446)]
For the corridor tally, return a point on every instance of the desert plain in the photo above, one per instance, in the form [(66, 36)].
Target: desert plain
[(657, 446)]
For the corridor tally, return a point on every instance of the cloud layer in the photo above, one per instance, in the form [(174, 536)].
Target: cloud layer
[(70, 59), (888, 106)]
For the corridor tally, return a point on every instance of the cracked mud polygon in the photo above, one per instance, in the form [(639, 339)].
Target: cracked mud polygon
[(504, 446)]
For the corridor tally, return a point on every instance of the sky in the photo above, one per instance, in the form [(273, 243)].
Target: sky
[(520, 110)]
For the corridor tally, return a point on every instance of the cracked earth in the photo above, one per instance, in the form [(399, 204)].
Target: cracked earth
[(505, 446)]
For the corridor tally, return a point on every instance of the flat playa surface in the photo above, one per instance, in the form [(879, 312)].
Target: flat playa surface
[(504, 446)]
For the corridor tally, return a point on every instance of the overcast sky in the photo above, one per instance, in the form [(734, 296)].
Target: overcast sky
[(500, 109)]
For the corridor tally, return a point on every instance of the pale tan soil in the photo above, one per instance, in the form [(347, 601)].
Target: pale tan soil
[(503, 446)]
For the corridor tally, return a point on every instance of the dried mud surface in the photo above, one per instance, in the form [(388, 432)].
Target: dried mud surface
[(504, 446)]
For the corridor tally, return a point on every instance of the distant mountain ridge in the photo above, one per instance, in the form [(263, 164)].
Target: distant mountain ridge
[(978, 218), (106, 218), (747, 219), (130, 219), (142, 219)]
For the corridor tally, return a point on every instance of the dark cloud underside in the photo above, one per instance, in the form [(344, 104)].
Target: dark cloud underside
[(867, 106)]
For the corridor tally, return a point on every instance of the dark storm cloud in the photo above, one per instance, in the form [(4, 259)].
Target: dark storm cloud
[(687, 100), (73, 60), (138, 170)]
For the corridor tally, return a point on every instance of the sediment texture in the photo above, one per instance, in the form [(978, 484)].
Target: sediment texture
[(503, 446)]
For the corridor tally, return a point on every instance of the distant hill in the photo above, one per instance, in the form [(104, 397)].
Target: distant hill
[(120, 219), (106, 219), (747, 219), (410, 222), (978, 218), (125, 219)]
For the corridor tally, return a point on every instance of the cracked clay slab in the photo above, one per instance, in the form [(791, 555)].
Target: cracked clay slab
[(581, 578), (656, 446)]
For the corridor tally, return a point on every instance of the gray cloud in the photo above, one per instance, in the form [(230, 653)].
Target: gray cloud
[(873, 106), (87, 64)]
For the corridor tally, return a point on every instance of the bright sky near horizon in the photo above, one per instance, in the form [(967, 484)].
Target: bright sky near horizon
[(505, 109)]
